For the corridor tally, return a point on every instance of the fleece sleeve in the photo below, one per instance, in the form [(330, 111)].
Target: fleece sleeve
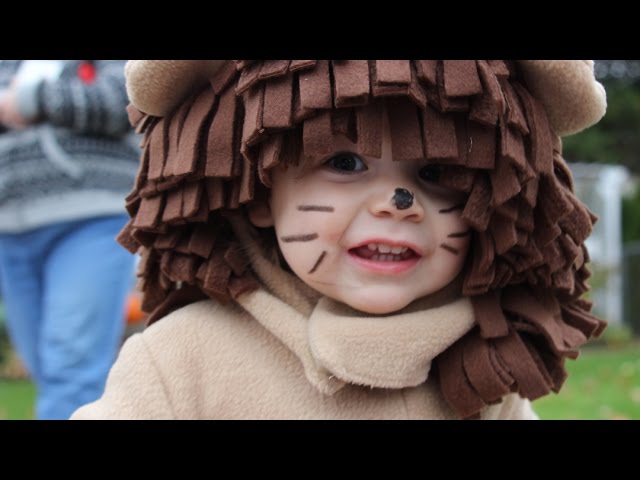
[(96, 108), (134, 389)]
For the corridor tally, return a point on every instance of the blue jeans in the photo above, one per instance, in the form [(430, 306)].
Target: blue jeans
[(64, 288)]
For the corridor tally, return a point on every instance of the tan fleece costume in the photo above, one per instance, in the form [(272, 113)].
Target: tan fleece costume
[(287, 353)]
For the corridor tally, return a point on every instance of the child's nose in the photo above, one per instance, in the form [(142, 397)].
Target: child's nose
[(396, 202)]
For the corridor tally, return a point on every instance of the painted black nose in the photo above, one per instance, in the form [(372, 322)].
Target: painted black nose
[(402, 199)]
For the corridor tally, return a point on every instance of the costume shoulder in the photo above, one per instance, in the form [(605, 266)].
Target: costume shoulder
[(135, 388), (158, 372)]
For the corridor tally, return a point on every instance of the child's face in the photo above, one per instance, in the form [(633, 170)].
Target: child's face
[(372, 233)]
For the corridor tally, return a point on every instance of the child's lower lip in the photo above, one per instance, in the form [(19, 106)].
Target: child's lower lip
[(384, 267)]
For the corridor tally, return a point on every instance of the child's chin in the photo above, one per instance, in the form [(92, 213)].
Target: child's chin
[(378, 305)]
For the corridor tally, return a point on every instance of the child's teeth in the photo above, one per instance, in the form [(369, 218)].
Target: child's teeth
[(386, 253)]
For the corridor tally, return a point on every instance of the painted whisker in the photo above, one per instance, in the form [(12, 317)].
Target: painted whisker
[(450, 249), (315, 208), (459, 206), (317, 264), (459, 234), (300, 238)]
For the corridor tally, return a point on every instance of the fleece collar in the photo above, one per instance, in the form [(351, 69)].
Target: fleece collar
[(338, 345), (390, 351)]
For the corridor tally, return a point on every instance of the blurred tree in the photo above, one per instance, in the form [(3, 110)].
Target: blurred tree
[(615, 139), (626, 70), (631, 217)]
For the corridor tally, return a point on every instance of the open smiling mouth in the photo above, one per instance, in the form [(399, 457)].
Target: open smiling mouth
[(383, 253)]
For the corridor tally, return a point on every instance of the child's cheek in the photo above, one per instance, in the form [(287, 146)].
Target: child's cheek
[(332, 237), (333, 226)]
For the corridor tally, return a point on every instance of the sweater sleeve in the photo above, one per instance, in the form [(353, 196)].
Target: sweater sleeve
[(134, 390), (95, 108)]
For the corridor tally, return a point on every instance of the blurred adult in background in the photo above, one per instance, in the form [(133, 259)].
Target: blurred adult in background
[(67, 160)]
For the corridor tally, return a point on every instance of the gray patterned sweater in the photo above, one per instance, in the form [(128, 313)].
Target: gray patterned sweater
[(80, 159)]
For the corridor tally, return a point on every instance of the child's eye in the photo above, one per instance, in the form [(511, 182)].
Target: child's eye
[(430, 173), (346, 163)]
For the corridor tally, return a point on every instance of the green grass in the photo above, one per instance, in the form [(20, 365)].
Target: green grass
[(17, 399), (603, 384)]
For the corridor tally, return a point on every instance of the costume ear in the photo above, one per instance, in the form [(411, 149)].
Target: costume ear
[(260, 214)]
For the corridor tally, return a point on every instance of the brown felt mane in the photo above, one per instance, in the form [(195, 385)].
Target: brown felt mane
[(526, 273)]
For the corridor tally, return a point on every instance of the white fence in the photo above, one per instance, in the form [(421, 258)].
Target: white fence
[(601, 187)]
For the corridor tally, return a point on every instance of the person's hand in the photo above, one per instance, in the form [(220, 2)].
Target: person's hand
[(9, 115)]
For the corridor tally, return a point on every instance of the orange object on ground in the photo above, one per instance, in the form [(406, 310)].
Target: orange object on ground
[(134, 309)]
